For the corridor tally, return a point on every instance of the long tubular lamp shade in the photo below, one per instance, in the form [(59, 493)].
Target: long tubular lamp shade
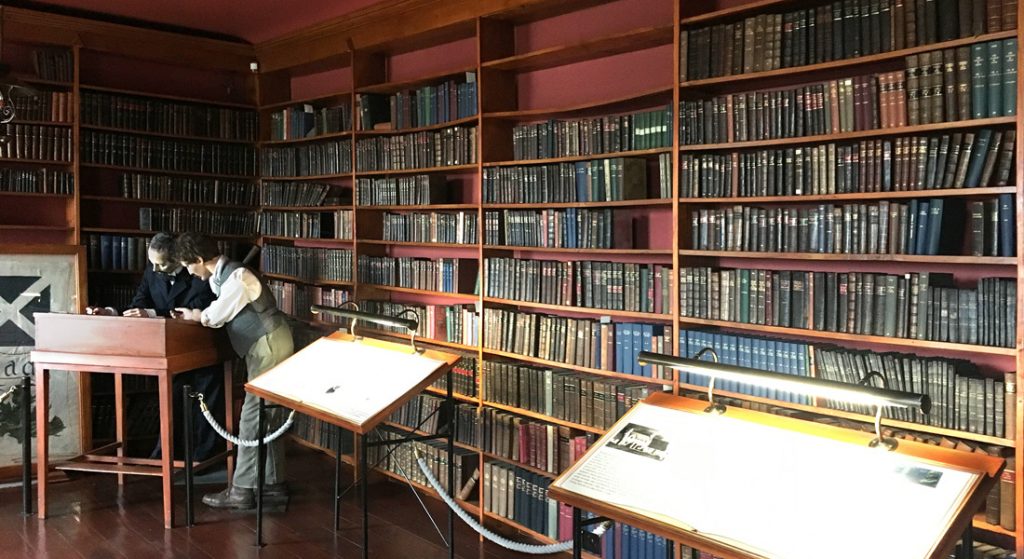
[(820, 388), (393, 321)]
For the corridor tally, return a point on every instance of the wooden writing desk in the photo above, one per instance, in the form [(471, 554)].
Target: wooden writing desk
[(159, 347)]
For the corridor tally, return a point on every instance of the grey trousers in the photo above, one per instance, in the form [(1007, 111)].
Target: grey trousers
[(266, 353)]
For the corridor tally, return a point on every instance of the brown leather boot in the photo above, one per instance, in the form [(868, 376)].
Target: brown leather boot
[(231, 498)]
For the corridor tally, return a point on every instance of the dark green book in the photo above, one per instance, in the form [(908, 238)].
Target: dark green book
[(995, 78), (1010, 77), (979, 79), (977, 161)]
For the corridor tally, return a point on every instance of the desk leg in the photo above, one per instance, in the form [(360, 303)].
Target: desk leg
[(337, 479), (167, 447), (261, 457), (229, 413), (577, 533), (452, 488), (26, 444), (42, 435), (119, 419), (364, 486)]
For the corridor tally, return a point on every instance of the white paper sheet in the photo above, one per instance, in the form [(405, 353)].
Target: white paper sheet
[(775, 492), (350, 380)]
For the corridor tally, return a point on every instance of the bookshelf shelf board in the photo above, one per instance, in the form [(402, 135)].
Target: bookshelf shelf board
[(419, 208), (866, 419), (526, 467), (919, 258), (545, 418), (897, 342), (284, 238), (612, 204), (119, 272), (32, 79), (400, 335), (345, 175), (162, 97), (648, 98), (392, 132), (415, 244), (813, 198), (733, 11), (346, 458), (295, 102), (412, 291), (802, 71), (15, 227), (197, 174), (123, 200), (434, 79), (307, 139), (422, 432), (22, 161), (600, 47), (582, 310), (857, 134), (571, 367), (305, 208), (37, 195), (515, 525), (44, 123), (314, 282), (613, 251), (141, 232), (422, 170), (980, 524), (574, 158), (164, 135), (456, 395)]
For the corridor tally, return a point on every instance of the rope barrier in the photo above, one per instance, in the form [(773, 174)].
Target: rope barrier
[(532, 549), (233, 439), (6, 395)]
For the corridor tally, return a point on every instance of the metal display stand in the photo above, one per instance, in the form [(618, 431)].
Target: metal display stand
[(307, 397)]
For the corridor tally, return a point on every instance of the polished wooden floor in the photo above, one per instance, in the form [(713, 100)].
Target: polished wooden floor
[(91, 519)]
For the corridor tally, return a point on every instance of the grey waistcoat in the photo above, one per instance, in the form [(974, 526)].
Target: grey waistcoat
[(255, 320)]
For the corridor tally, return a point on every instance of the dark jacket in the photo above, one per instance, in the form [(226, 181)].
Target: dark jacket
[(156, 292)]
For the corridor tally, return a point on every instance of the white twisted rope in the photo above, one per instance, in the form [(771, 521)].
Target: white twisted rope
[(242, 442), (531, 549), (6, 395)]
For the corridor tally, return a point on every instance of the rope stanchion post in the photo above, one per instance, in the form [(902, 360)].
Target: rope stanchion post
[(26, 444), (186, 417), (261, 451), (577, 533)]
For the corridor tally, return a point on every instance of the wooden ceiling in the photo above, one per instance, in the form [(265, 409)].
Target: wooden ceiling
[(253, 21)]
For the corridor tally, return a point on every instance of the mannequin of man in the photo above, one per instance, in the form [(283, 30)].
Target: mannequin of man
[(167, 285), (245, 307)]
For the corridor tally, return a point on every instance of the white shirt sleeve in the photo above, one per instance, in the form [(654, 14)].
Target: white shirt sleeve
[(240, 289)]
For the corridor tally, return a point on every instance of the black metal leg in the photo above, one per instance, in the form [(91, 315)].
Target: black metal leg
[(967, 544), (186, 405), (577, 541), (452, 490), (337, 479), (364, 486), (26, 444), (261, 452)]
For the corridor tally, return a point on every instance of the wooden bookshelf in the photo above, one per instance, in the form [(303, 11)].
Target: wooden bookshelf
[(506, 101), (137, 132), (821, 256), (814, 198), (545, 418), (855, 135)]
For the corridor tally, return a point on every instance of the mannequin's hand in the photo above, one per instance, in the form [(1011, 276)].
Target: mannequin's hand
[(182, 313)]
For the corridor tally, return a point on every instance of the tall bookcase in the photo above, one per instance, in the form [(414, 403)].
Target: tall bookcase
[(545, 70), (609, 61)]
